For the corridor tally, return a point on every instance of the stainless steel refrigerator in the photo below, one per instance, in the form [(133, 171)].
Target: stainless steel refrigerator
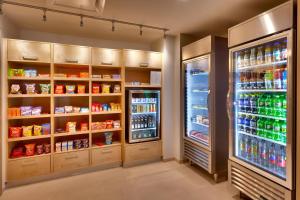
[(205, 82), (143, 115), (261, 105)]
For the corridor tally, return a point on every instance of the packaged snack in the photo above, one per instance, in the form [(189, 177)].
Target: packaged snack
[(76, 109), (108, 138), (29, 149), (70, 89), (19, 72), (106, 76), (81, 89), (27, 72), (12, 112), (15, 132), (15, 89), (117, 88), (116, 76), (102, 125), (59, 110), (84, 126), (96, 88), (46, 129), (44, 75), (105, 107), (95, 107), (77, 144), (26, 110), (17, 152), (116, 124), (83, 74), (30, 88), (11, 72), (39, 149), (95, 126), (37, 130), (109, 124), (68, 109), (71, 127), (105, 88), (64, 146), (47, 148), (45, 88), (27, 131), (84, 110), (60, 75), (36, 110), (59, 89), (70, 145), (33, 73), (72, 75), (85, 143), (58, 147)]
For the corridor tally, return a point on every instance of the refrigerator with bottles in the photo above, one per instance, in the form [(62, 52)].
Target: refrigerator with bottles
[(205, 124), (260, 105), (143, 115)]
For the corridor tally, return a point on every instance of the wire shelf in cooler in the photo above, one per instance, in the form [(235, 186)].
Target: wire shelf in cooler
[(144, 113), (205, 125), (200, 91), (200, 74), (262, 138), (144, 129), (278, 63), (263, 90), (265, 116)]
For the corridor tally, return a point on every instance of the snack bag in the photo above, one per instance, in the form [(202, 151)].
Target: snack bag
[(117, 88), (47, 148), (84, 126), (46, 129), (105, 88), (29, 149), (27, 131), (83, 74), (39, 149), (25, 110), (30, 88), (15, 132), (81, 89), (108, 137), (17, 152), (15, 89), (109, 124), (45, 88), (76, 109), (68, 109), (70, 89), (37, 130), (59, 89), (96, 88), (71, 127)]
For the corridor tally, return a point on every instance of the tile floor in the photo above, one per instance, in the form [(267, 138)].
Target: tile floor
[(156, 181)]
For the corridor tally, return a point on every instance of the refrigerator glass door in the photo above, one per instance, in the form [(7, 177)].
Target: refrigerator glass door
[(144, 114), (197, 90), (261, 112)]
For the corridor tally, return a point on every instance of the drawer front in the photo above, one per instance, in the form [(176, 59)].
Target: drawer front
[(143, 151), (106, 57), (20, 50), (71, 160), (72, 54), (154, 59), (135, 58), (28, 167), (106, 155)]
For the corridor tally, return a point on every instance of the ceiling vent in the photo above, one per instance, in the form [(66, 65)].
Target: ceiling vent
[(82, 5)]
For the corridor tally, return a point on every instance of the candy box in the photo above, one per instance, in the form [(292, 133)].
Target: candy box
[(36, 110), (59, 110)]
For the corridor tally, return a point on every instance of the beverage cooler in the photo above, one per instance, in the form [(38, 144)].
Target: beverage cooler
[(143, 115), (204, 80), (261, 106)]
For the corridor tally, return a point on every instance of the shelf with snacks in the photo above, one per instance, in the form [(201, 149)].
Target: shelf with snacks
[(142, 86), (106, 145), (70, 79), (106, 130), (30, 116), (28, 95), (107, 80), (23, 78), (106, 94), (71, 114), (71, 133), (29, 157), (28, 138)]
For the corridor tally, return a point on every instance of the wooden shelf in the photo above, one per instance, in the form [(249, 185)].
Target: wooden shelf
[(106, 145), (71, 134), (142, 68), (71, 114), (72, 95), (29, 78), (28, 138), (70, 79), (106, 130), (69, 151), (28, 157), (107, 66), (143, 86), (30, 117), (106, 80), (106, 112), (106, 94), (28, 95), (30, 62)]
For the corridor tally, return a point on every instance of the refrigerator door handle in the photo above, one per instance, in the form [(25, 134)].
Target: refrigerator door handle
[(228, 105)]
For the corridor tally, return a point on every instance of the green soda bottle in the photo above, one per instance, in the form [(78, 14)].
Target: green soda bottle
[(277, 105), (269, 128), (261, 104), (284, 105), (283, 131), (276, 131), (268, 105), (260, 127), (264, 133)]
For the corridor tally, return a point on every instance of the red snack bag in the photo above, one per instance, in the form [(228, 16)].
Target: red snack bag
[(39, 149), (96, 88), (47, 148), (84, 126), (15, 132), (29, 149), (17, 152), (59, 89), (109, 124)]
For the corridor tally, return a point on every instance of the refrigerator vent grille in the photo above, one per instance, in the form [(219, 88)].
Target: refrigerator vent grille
[(253, 187), (195, 154)]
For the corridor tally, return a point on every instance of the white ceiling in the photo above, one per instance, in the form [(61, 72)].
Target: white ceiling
[(197, 17)]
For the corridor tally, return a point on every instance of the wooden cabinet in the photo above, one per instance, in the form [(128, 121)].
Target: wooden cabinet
[(71, 160), (138, 58), (28, 167), (72, 54), (106, 57), (142, 152), (106, 155), (21, 50)]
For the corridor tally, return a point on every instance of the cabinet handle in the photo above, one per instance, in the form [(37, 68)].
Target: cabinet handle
[(30, 58), (106, 63), (110, 151), (71, 60), (144, 149), (144, 64), (71, 157)]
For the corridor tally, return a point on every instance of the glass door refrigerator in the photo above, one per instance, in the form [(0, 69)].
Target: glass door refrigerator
[(205, 82), (261, 106), (143, 115)]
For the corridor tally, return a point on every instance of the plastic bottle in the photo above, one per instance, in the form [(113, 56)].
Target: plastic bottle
[(260, 55), (281, 161), (283, 131), (248, 149), (253, 103), (269, 79), (254, 150), (284, 53), (238, 59), (253, 56), (241, 122), (241, 151), (268, 105), (269, 128), (241, 103), (247, 124), (260, 81), (253, 126), (284, 105), (268, 54), (246, 58), (277, 81), (247, 103), (253, 80), (263, 154), (272, 157), (276, 130), (284, 78), (260, 127), (276, 52)]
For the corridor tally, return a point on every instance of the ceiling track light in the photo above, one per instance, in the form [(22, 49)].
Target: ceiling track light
[(141, 30), (113, 26), (81, 21), (44, 15)]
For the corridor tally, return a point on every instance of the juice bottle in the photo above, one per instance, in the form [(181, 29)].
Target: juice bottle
[(284, 78), (269, 79), (261, 104), (253, 56), (283, 131), (260, 55), (268, 54), (276, 131), (276, 52), (269, 128), (277, 81)]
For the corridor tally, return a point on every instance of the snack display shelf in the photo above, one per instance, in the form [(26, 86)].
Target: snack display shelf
[(28, 138), (265, 116), (106, 145), (262, 138), (27, 95), (71, 133), (72, 95), (71, 114), (30, 117), (263, 90), (205, 125), (70, 151), (106, 130), (106, 112), (29, 157), (106, 94), (265, 65), (106, 80), (29, 78), (70, 79), (143, 86)]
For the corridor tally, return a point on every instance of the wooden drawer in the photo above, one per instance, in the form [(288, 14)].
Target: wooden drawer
[(106, 155), (72, 54), (109, 57), (21, 50), (143, 151), (137, 58), (71, 160), (28, 167)]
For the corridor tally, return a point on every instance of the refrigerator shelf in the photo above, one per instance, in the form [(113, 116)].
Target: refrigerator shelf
[(260, 66), (269, 90), (201, 74), (201, 124), (199, 107), (262, 138), (200, 91), (143, 129), (144, 113), (143, 102), (265, 116)]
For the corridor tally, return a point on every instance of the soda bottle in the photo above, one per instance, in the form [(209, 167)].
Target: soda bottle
[(263, 153), (247, 103), (284, 78), (281, 161), (238, 59), (247, 124), (252, 56), (269, 79), (248, 149), (284, 53), (242, 145), (268, 105), (241, 84), (253, 103), (276, 52), (283, 131), (277, 79), (253, 125), (260, 80), (260, 55), (268, 54), (272, 157), (246, 58), (253, 80), (261, 104), (260, 127), (284, 105), (269, 128), (276, 131), (247, 80), (277, 105), (254, 150), (241, 122)]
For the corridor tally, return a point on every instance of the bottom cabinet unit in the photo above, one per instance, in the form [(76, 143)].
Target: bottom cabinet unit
[(106, 155), (28, 167), (71, 160)]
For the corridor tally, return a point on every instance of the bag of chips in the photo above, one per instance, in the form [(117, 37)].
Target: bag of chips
[(81, 89), (96, 88), (39, 149), (117, 88), (59, 89), (30, 88), (17, 152), (105, 88), (71, 127), (108, 137), (27, 131), (37, 130), (47, 148), (70, 89), (84, 126), (15, 132), (29, 149), (46, 129), (15, 89), (45, 88)]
